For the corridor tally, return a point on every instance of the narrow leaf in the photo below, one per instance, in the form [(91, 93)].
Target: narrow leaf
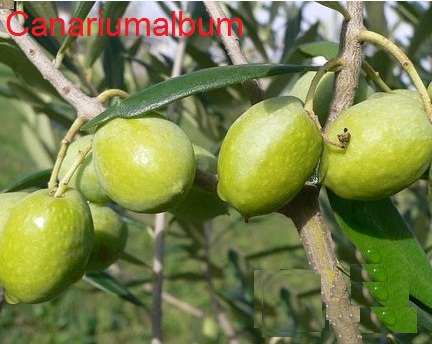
[(168, 91), (81, 11), (14, 58), (37, 180), (106, 282), (112, 10), (114, 63), (422, 32)]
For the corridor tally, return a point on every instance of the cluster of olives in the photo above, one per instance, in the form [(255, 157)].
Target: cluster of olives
[(145, 165), (274, 148), (148, 165)]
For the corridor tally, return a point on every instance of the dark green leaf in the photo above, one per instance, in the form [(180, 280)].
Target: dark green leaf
[(326, 49), (250, 25), (81, 11), (37, 180), (422, 32), (113, 63), (59, 112), (14, 58), (168, 91), (112, 10), (107, 283), (382, 236)]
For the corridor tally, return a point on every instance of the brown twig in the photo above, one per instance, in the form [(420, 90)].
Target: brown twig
[(85, 106)]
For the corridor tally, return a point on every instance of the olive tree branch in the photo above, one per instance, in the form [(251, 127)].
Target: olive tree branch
[(304, 209), (346, 80), (232, 46), (86, 107)]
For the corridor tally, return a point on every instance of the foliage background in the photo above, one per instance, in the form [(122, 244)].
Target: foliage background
[(34, 119)]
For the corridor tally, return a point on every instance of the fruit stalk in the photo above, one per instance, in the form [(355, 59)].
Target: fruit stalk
[(75, 127), (65, 181), (330, 65), (372, 37), (114, 92), (375, 77)]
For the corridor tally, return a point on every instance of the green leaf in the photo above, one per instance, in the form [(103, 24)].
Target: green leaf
[(105, 282), (422, 32), (382, 236), (326, 49), (112, 10), (14, 58), (81, 11), (37, 180), (114, 63), (168, 91), (251, 27)]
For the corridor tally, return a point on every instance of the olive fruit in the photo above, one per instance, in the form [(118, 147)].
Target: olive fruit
[(84, 179), (324, 92), (389, 149), (144, 164), (267, 155), (110, 236), (45, 245), (201, 205), (7, 202)]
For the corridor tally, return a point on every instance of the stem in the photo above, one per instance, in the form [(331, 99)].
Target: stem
[(328, 66), (159, 233), (375, 77), (113, 92), (66, 179), (206, 180), (304, 209), (222, 317), (178, 60), (346, 80), (85, 106), (316, 239), (176, 302), (75, 127), (372, 37), (231, 42), (334, 5)]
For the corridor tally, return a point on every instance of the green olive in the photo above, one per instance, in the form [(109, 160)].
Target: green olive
[(389, 149), (267, 155)]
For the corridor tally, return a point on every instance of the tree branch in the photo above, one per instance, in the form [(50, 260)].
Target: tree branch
[(350, 52), (232, 46), (85, 106), (304, 209), (159, 234)]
